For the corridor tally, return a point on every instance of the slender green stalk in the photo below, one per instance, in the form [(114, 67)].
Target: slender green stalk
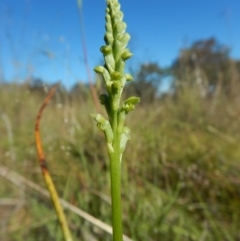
[(115, 54), (115, 171)]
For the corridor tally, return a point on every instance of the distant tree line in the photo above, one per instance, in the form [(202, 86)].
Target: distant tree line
[(205, 65)]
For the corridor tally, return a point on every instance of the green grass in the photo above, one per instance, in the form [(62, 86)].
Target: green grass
[(180, 177)]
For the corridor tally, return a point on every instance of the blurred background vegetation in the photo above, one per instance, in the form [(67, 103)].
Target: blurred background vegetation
[(181, 168)]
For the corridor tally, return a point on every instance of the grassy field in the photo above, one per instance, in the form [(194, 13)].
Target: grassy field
[(180, 177)]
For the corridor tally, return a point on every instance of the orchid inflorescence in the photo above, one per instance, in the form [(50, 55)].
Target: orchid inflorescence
[(117, 134), (115, 55)]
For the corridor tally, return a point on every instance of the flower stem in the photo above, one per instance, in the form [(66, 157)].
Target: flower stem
[(115, 173)]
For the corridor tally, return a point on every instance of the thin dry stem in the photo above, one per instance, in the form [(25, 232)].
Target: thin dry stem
[(47, 177)]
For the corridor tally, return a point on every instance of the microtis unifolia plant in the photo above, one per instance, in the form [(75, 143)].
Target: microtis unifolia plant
[(116, 133)]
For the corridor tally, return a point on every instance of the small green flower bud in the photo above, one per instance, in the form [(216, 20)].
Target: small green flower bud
[(132, 100), (99, 69), (108, 17), (130, 103), (106, 50), (119, 36), (128, 77), (116, 5), (108, 38), (102, 70), (125, 39), (97, 117), (119, 16), (116, 76), (108, 27), (126, 54), (110, 63), (104, 125), (120, 27)]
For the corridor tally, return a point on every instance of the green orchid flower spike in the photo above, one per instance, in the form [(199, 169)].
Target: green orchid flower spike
[(115, 53)]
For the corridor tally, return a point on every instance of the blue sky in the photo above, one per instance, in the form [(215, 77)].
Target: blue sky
[(42, 38)]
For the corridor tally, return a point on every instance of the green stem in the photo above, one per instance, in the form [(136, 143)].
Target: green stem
[(115, 167), (115, 173)]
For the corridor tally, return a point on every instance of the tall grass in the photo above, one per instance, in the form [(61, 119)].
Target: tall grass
[(180, 178)]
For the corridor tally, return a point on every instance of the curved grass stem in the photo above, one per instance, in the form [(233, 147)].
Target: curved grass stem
[(47, 177)]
